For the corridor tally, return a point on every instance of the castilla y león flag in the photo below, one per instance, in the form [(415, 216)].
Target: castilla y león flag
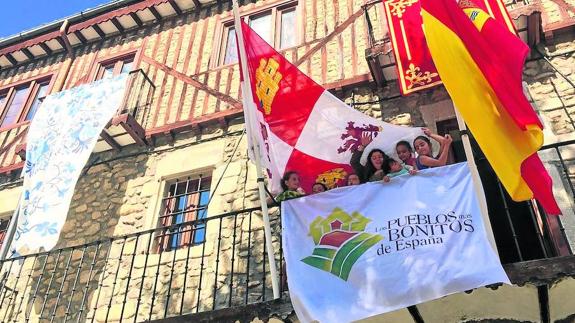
[(301, 126), (480, 63)]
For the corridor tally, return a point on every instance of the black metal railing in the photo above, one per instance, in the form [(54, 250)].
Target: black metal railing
[(522, 230), (139, 94), (129, 278)]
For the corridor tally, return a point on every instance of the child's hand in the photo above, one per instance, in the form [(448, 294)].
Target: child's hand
[(448, 139), (412, 172), (300, 190), (426, 131), (386, 179), (365, 139)]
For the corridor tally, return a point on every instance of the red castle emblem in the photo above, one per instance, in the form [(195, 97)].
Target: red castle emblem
[(353, 134)]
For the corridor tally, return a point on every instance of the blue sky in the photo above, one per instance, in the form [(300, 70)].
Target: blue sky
[(17, 16)]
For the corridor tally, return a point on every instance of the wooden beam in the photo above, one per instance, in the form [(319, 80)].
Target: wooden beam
[(175, 7), (136, 19), (99, 31), (80, 37), (110, 141), (155, 13), (61, 42), (198, 4), (11, 59), (28, 54), (45, 48), (118, 25), (197, 84), (338, 29)]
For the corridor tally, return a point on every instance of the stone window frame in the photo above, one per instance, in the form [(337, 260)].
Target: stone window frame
[(33, 85), (227, 22), (186, 236)]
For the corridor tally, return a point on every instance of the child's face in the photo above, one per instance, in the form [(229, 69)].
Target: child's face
[(293, 182), (377, 160), (395, 167), (422, 147), (353, 179), (317, 188), (403, 153)]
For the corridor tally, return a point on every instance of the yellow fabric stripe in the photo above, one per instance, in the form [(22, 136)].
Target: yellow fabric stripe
[(504, 144), (477, 16)]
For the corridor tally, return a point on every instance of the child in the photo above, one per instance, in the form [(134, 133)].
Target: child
[(318, 188), (290, 185), (405, 153), (397, 169), (353, 179), (422, 146)]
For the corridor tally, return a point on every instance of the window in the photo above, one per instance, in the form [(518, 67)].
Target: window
[(115, 67), (20, 103), (277, 26), (185, 201)]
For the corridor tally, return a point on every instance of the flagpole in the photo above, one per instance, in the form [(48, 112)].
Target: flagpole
[(247, 95), (477, 185)]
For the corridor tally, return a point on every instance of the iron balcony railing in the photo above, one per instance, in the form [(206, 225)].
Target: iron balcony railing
[(129, 278), (135, 278)]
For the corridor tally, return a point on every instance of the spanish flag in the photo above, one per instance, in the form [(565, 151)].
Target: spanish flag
[(480, 62)]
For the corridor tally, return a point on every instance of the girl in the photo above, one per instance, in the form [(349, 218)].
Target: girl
[(422, 146), (405, 153), (318, 188), (290, 185), (376, 166)]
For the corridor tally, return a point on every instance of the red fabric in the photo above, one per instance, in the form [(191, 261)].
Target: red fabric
[(309, 167), (297, 92), (409, 47), (538, 180), (498, 53)]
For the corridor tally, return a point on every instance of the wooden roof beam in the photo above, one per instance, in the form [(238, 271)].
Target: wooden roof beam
[(155, 13), (45, 48), (136, 19), (118, 25), (80, 37), (175, 7), (28, 53), (99, 31), (11, 59), (63, 38)]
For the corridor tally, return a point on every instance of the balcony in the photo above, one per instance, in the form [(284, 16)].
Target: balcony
[(124, 129), (161, 274)]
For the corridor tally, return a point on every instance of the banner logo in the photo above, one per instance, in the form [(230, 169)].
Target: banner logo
[(340, 239), (267, 83)]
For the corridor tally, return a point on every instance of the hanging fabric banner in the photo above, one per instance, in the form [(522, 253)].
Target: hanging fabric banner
[(60, 140), (415, 68), (359, 251)]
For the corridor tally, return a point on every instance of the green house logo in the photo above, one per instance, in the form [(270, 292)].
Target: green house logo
[(339, 242)]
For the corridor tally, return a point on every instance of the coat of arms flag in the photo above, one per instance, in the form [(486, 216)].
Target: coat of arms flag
[(302, 126)]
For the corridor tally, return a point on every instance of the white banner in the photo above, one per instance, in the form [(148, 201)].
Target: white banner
[(358, 251), (59, 142)]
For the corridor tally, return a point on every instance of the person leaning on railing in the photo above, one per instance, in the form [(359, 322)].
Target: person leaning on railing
[(376, 166)]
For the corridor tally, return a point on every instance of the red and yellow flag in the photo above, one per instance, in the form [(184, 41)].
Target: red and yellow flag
[(480, 63)]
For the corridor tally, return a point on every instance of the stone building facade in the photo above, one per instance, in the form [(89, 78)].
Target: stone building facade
[(181, 122)]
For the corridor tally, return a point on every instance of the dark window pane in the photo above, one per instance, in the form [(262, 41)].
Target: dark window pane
[(288, 29), (40, 95), (263, 26), (15, 106), (231, 54), (205, 183)]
